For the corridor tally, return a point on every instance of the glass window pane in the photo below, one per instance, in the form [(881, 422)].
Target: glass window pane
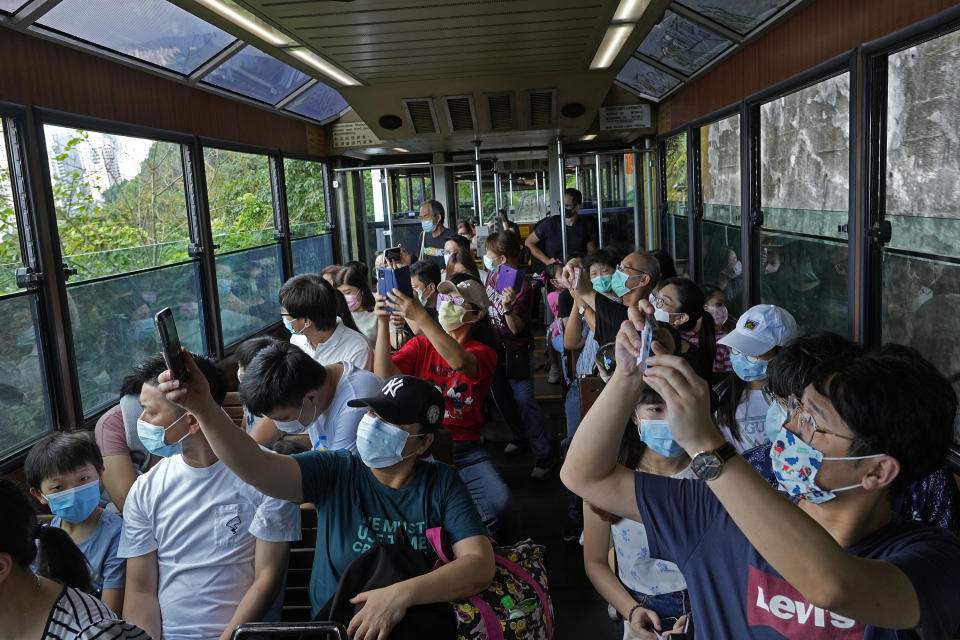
[(720, 229), (682, 45), (646, 80), (311, 255), (240, 198), (10, 258), (23, 389), (804, 151), (155, 31), (120, 201), (254, 74), (740, 15), (319, 102), (305, 205), (248, 282), (113, 326), (11, 6)]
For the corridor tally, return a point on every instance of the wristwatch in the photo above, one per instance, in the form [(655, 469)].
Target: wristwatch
[(707, 465)]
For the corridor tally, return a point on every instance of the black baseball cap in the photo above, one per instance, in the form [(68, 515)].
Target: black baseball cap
[(405, 400)]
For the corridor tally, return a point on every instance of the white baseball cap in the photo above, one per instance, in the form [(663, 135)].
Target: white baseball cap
[(760, 329)]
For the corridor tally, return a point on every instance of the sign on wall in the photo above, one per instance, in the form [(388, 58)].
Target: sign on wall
[(630, 116), (353, 134)]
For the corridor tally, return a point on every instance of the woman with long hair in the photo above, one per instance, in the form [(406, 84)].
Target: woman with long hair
[(354, 283), (679, 302), (462, 261)]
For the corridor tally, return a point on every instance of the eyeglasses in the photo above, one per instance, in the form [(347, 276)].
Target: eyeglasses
[(750, 359), (622, 268), (807, 426), (457, 300)]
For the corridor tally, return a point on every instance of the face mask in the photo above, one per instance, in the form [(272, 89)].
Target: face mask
[(776, 416), (428, 226), (380, 444), (618, 282), (796, 463), (488, 263), (76, 504), (152, 438), (446, 258), (295, 426), (661, 315), (746, 370), (421, 297), (450, 316), (602, 284), (656, 434), (737, 269), (223, 287), (353, 302), (719, 312), (288, 323), (569, 212)]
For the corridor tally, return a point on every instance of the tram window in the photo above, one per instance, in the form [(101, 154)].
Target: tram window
[(740, 15), (921, 270), (720, 227), (248, 259), (319, 102), (678, 231), (122, 219), (256, 75), (312, 242), (682, 45), (804, 182), (11, 6)]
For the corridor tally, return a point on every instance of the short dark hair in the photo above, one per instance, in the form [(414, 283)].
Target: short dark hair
[(665, 261), (354, 274), (149, 371), (427, 271), (436, 208), (249, 348), (61, 452), (896, 403), (600, 256), (310, 296), (461, 241), (279, 376), (574, 194), (792, 368)]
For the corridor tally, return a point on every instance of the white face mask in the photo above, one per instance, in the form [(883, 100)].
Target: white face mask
[(295, 426), (380, 444)]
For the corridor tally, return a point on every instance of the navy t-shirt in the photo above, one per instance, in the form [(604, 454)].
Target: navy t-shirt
[(578, 235), (355, 511), (737, 594)]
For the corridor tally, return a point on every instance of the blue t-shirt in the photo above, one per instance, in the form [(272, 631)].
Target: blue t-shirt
[(737, 594), (107, 570), (355, 511)]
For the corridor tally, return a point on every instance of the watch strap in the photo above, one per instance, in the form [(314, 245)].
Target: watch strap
[(725, 451)]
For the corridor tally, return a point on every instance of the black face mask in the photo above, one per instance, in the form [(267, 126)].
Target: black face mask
[(569, 212)]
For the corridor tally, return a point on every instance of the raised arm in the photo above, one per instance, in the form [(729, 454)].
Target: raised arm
[(141, 605), (275, 475), (269, 564), (449, 349), (382, 359)]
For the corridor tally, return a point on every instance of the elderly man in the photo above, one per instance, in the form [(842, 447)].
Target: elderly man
[(434, 233)]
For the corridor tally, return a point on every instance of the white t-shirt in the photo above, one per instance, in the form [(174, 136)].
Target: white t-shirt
[(751, 418), (637, 570), (344, 344), (367, 324), (339, 422), (203, 524)]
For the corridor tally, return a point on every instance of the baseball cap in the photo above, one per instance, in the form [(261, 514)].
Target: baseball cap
[(470, 290), (405, 400), (760, 329)]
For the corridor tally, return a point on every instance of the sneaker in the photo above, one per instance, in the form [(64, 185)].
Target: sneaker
[(555, 376), (516, 447), (572, 531), (542, 469)]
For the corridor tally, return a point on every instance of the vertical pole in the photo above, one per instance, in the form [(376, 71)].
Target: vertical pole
[(536, 189), (599, 202), (510, 178), (556, 194), (386, 206), (648, 193), (637, 245), (476, 164)]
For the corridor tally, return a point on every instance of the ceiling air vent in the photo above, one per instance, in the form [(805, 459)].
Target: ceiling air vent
[(421, 115), (460, 114), (500, 106), (542, 109)]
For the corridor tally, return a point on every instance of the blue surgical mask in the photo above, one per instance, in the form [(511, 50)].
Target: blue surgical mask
[(428, 226), (776, 416), (656, 435), (746, 370), (423, 299), (288, 323), (380, 444), (223, 287), (295, 426), (446, 258), (76, 504), (152, 438), (488, 263), (618, 283), (602, 284)]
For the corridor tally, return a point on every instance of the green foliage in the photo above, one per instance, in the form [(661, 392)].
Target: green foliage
[(677, 168)]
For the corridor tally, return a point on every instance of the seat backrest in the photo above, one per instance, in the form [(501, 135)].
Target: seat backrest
[(590, 388), (234, 408), (290, 630)]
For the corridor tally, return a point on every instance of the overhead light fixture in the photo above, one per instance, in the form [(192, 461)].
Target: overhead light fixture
[(325, 67), (400, 150), (630, 10), (613, 41), (588, 137), (247, 21)]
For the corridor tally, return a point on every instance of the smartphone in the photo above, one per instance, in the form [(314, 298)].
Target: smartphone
[(509, 277), (390, 279), (170, 341), (647, 337), (393, 253)]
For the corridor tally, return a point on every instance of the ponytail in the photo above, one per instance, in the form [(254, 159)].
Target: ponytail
[(58, 558), (708, 340)]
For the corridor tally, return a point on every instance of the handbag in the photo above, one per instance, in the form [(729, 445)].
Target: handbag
[(516, 363), (516, 605)]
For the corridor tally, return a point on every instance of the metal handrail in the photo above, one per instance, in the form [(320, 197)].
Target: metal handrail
[(255, 630)]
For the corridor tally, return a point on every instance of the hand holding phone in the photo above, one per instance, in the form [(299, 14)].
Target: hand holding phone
[(390, 279), (647, 337), (170, 341)]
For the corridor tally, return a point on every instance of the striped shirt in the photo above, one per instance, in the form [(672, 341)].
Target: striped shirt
[(80, 616)]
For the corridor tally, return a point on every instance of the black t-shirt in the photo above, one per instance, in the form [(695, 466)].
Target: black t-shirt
[(433, 246), (565, 304), (578, 235), (610, 315)]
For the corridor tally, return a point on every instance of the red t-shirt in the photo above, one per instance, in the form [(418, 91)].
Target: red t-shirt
[(464, 394)]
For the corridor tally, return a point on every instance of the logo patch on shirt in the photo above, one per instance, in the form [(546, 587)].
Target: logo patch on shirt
[(750, 324), (773, 602), (233, 524)]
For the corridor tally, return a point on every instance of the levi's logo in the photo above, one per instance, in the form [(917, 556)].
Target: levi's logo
[(772, 602)]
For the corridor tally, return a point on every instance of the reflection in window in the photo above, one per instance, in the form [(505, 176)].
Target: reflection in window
[(305, 204), (740, 15), (319, 102), (155, 31), (240, 198), (247, 285), (682, 45), (646, 80), (311, 255), (720, 179), (256, 75), (9, 238), (120, 201)]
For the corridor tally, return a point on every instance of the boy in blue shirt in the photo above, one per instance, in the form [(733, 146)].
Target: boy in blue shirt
[(64, 470)]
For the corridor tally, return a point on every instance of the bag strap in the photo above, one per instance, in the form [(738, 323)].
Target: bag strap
[(524, 575), (435, 538)]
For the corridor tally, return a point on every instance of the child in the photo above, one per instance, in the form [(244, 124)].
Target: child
[(64, 470)]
